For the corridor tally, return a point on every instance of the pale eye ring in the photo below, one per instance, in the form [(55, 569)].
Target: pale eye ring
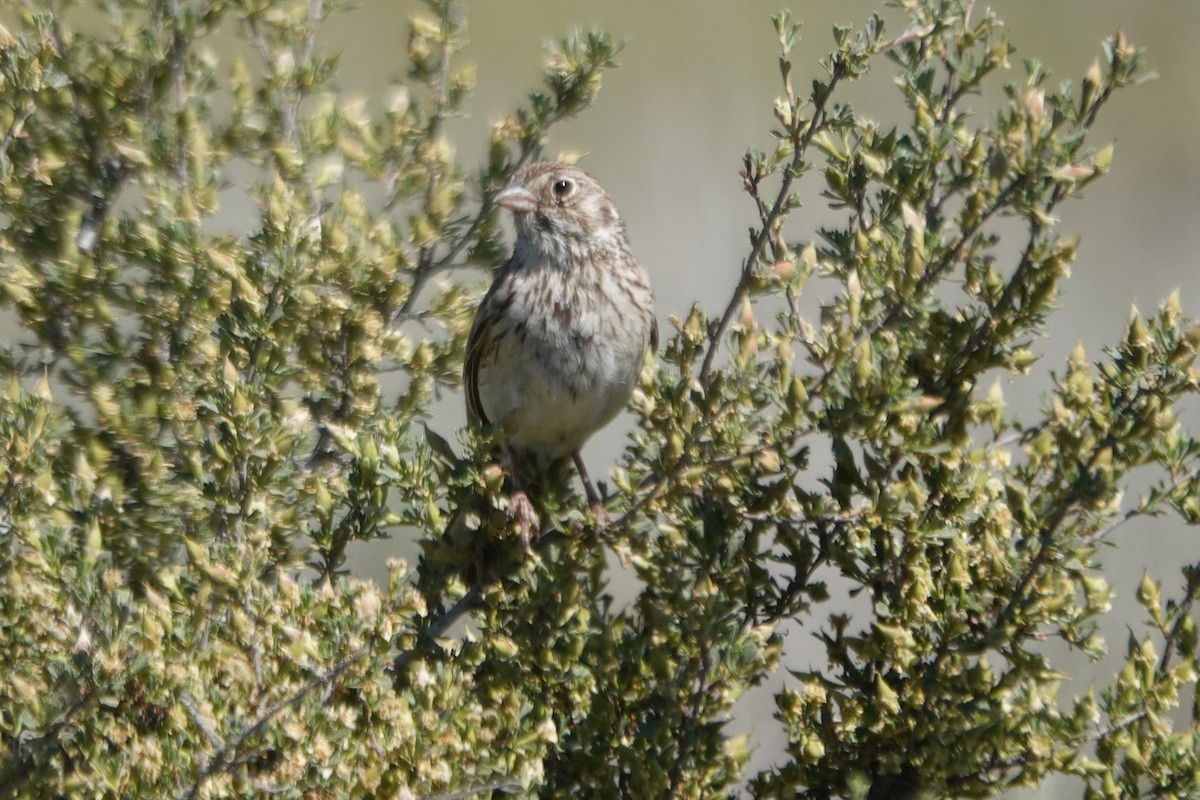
[(562, 187)]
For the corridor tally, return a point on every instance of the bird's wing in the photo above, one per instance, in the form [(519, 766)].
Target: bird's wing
[(476, 344), (479, 341)]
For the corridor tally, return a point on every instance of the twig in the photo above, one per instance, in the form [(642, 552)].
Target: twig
[(1045, 534), (199, 721), (430, 268), (226, 754), (224, 757), (178, 51), (765, 233), (433, 130), (505, 786), (689, 722), (439, 626), (1024, 760), (1184, 612), (11, 134)]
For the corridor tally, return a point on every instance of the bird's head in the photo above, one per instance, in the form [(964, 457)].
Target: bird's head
[(560, 210)]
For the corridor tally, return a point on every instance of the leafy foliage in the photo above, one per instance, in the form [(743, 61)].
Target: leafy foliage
[(193, 433)]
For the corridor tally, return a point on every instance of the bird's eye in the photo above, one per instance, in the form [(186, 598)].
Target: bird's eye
[(563, 187)]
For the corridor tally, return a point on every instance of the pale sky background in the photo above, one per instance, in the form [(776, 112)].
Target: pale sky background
[(695, 89)]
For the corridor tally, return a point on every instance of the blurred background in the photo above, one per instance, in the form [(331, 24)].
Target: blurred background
[(695, 89)]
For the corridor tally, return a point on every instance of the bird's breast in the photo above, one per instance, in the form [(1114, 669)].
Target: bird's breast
[(563, 363)]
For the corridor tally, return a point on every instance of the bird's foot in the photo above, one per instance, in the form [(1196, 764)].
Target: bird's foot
[(599, 518), (521, 509), (599, 515)]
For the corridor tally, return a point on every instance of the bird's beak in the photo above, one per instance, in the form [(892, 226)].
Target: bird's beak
[(516, 198)]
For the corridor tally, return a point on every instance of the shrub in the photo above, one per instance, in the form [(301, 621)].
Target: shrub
[(193, 433)]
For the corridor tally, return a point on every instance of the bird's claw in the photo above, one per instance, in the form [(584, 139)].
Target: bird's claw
[(599, 518), (521, 509)]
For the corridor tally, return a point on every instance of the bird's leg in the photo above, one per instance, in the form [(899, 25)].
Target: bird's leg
[(519, 506), (599, 515)]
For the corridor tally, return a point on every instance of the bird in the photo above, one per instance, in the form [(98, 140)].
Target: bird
[(560, 338)]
